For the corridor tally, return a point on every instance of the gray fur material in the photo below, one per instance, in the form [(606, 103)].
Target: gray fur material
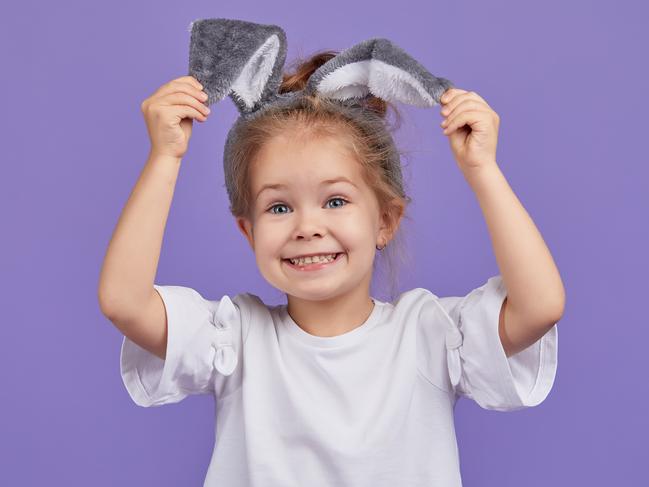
[(245, 60), (219, 51)]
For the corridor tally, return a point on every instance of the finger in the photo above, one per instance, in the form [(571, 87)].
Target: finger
[(477, 97), (462, 94), (467, 95), (191, 80), (463, 118), (450, 94), (456, 101), (458, 104), (181, 98), (184, 87), (185, 111)]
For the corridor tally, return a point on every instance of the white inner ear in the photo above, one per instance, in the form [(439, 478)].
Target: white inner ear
[(255, 74), (381, 79)]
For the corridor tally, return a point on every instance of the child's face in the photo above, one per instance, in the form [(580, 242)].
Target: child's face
[(305, 217)]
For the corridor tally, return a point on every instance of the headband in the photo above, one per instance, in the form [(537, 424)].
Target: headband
[(245, 60)]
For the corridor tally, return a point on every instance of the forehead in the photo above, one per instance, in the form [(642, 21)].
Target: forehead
[(303, 160)]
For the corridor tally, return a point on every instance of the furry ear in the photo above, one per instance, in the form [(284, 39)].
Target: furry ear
[(237, 58), (379, 67)]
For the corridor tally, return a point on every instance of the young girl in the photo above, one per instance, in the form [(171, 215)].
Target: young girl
[(335, 387)]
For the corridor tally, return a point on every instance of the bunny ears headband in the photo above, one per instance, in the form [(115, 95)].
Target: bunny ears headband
[(244, 60)]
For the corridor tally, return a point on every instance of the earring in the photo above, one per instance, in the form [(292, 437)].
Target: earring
[(380, 248)]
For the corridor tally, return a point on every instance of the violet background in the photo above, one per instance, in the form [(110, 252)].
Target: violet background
[(568, 80)]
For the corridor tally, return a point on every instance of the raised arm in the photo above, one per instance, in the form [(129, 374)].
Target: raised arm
[(535, 294), (126, 293)]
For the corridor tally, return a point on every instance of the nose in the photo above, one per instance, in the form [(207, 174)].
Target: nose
[(308, 226)]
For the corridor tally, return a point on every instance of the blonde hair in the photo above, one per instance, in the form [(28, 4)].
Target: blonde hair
[(364, 132)]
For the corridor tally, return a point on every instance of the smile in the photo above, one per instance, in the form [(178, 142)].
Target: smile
[(315, 266)]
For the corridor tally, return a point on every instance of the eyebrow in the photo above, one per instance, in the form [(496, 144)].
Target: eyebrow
[(322, 183)]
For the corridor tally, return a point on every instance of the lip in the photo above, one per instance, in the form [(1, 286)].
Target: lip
[(314, 266)]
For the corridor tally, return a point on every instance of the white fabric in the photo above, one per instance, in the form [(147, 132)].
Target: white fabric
[(478, 366), (371, 407)]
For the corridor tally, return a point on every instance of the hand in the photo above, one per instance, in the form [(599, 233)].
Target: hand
[(472, 128), (168, 114)]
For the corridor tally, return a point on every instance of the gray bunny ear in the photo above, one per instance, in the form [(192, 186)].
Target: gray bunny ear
[(379, 67), (237, 58)]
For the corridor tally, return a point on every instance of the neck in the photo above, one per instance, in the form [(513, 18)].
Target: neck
[(332, 316)]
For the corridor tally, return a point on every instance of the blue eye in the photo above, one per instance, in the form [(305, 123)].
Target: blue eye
[(338, 198), (283, 205), (275, 206)]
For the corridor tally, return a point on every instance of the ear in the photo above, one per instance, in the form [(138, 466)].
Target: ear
[(237, 58), (390, 221), (245, 227), (379, 67)]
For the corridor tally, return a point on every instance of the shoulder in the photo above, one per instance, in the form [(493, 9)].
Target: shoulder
[(253, 310), (421, 301), (422, 308), (434, 334), (248, 302), (226, 311), (413, 297), (251, 304)]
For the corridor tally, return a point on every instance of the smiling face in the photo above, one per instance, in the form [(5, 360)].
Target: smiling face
[(306, 213)]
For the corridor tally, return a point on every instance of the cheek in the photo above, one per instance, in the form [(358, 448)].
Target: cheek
[(269, 239), (354, 229)]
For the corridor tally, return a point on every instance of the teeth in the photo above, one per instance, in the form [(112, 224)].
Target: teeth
[(313, 259)]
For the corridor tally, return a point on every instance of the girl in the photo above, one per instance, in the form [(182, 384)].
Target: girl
[(334, 387)]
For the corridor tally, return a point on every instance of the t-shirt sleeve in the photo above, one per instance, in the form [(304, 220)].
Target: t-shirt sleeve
[(477, 364), (203, 342)]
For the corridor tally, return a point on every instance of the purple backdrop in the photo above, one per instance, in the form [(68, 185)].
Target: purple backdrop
[(566, 78)]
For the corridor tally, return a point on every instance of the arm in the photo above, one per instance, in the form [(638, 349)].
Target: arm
[(126, 293), (535, 294)]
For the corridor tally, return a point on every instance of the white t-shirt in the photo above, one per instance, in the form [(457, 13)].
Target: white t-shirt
[(372, 407)]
